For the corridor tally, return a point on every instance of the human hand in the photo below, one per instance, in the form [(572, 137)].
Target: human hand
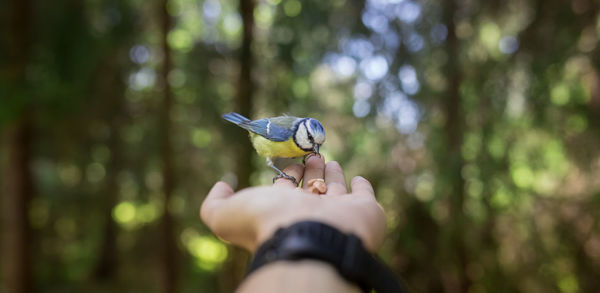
[(251, 216)]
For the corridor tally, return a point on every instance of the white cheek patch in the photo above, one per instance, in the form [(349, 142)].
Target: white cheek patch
[(302, 137), (318, 137)]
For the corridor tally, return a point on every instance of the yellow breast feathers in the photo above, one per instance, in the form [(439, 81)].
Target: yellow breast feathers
[(276, 149)]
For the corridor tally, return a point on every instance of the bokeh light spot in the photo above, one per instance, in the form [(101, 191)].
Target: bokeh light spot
[(408, 78), (424, 187), (496, 147), (568, 284), (139, 54), (201, 137), (375, 21), (414, 43), (264, 15), (69, 174), (408, 11), (508, 45), (438, 33), (522, 176), (208, 252), (363, 90), (232, 24), (180, 40), (490, 35), (361, 108), (124, 212), (560, 94), (344, 66), (300, 88), (211, 9), (359, 48), (148, 212), (95, 172), (142, 79), (501, 198), (402, 111), (292, 8), (374, 68)]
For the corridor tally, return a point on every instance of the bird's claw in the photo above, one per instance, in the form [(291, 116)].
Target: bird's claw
[(286, 176), (308, 156)]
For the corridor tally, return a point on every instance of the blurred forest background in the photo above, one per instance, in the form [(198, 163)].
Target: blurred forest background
[(476, 121)]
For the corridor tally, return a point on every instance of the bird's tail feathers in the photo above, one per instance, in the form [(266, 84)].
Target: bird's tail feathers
[(235, 118)]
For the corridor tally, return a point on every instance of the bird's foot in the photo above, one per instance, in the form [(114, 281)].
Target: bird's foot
[(286, 176), (308, 156)]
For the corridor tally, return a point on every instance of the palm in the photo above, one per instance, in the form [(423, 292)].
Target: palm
[(252, 215)]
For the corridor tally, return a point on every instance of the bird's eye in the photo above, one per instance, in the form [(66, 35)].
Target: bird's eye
[(310, 137)]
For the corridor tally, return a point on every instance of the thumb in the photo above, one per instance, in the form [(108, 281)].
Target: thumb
[(362, 186), (219, 191), (217, 194)]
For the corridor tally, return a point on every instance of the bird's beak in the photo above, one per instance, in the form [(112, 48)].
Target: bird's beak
[(316, 149)]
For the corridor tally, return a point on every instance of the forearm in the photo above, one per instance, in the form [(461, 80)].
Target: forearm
[(299, 276)]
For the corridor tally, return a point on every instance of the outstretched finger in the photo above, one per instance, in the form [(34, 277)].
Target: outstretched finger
[(335, 179), (219, 192), (361, 186), (315, 169), (295, 170)]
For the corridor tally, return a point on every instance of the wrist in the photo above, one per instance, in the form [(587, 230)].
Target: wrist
[(301, 276), (321, 242), (371, 243)]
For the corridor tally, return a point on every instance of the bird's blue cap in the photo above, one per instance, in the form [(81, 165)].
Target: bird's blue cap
[(316, 125)]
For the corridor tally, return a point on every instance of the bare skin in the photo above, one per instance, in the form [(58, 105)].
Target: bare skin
[(251, 216)]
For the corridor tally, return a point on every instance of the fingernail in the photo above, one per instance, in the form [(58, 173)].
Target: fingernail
[(318, 156), (335, 163)]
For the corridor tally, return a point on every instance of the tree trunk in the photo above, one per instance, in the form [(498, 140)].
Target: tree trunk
[(16, 258), (110, 86), (235, 266), (18, 184), (245, 92), (168, 249), (452, 165)]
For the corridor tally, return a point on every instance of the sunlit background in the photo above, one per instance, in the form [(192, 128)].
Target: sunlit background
[(476, 121)]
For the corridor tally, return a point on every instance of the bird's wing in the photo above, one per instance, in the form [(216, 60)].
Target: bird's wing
[(274, 129), (286, 122)]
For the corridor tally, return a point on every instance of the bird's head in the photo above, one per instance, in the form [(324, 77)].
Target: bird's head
[(309, 135)]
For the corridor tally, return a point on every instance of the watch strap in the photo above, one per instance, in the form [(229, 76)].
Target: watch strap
[(345, 252)]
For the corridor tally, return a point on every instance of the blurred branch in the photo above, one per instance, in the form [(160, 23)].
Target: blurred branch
[(452, 163), (245, 91), (16, 259), (18, 183), (109, 86), (235, 267), (168, 253)]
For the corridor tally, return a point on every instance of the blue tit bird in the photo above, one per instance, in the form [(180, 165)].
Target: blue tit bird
[(281, 137)]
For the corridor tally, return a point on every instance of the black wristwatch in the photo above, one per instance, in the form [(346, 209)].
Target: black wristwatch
[(345, 252)]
